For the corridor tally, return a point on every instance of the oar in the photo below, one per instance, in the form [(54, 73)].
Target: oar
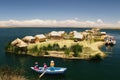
[(42, 73)]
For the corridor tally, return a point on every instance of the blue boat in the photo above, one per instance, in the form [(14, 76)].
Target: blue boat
[(50, 70)]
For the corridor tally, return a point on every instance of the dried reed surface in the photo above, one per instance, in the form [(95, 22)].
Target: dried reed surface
[(89, 47)]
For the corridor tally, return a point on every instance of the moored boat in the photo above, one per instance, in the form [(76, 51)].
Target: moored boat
[(49, 70), (110, 41)]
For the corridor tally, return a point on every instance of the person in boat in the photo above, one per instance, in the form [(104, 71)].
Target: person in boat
[(52, 65), (36, 65), (44, 66)]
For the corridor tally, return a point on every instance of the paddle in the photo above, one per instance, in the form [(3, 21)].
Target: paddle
[(42, 73)]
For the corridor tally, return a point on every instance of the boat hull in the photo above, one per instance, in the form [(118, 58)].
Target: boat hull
[(57, 70), (110, 43)]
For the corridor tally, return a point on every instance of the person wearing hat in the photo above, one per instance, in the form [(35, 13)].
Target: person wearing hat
[(36, 65), (52, 65), (44, 66)]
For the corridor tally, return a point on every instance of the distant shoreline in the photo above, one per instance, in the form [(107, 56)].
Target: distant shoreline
[(65, 27)]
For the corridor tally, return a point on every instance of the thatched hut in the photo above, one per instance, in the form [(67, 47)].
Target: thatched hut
[(72, 32), (56, 35), (19, 43), (19, 46), (29, 39), (40, 38), (103, 33), (94, 31), (78, 36)]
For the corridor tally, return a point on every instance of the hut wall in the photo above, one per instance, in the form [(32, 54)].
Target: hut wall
[(56, 37), (42, 39)]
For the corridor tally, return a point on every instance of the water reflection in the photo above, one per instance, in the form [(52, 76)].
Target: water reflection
[(109, 48), (109, 51), (53, 77)]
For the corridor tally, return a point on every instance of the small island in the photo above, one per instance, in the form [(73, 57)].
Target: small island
[(61, 44)]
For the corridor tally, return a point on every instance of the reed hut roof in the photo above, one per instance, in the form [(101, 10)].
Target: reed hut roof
[(103, 33), (61, 32), (73, 32), (40, 36), (78, 35), (18, 42), (57, 33), (28, 38)]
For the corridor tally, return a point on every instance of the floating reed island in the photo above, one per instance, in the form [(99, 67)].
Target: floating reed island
[(59, 44)]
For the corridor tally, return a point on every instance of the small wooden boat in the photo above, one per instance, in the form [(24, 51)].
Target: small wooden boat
[(50, 70)]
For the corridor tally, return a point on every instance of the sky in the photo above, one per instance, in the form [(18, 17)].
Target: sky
[(60, 13)]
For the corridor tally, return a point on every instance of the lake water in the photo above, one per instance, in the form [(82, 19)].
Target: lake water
[(107, 69)]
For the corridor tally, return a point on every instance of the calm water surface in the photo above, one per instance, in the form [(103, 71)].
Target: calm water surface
[(107, 69)]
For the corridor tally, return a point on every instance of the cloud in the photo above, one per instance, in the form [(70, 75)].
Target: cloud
[(100, 21), (56, 23), (76, 18), (118, 22)]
